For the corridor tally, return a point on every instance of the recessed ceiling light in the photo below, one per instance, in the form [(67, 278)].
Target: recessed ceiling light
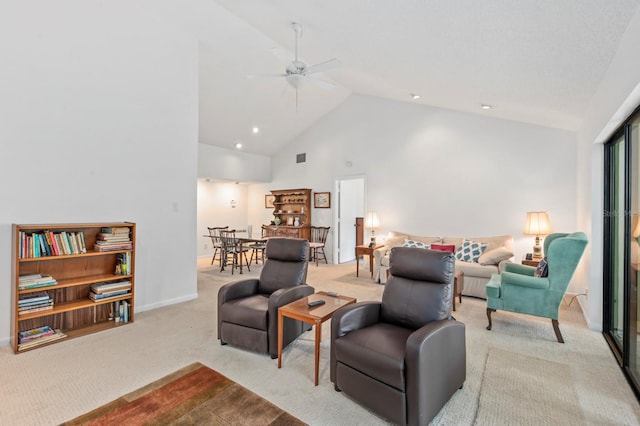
[(255, 129), (414, 96), (237, 145), (485, 106)]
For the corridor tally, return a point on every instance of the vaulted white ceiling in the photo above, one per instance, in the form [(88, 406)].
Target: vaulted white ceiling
[(534, 61)]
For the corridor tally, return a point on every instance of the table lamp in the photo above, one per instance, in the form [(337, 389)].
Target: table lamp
[(537, 224), (372, 221)]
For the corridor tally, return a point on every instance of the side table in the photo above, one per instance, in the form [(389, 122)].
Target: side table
[(362, 250), (316, 315), (532, 262)]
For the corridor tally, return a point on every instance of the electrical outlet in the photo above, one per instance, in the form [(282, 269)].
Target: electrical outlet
[(206, 246), (586, 292)]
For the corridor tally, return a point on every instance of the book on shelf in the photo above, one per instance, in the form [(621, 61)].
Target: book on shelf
[(57, 335), (122, 311), (53, 248), (26, 282), (83, 245), (65, 243), (43, 306), (116, 230), (34, 302), (34, 310), (123, 264), (46, 243), (34, 333), (33, 297), (113, 237), (104, 246), (110, 295), (110, 286)]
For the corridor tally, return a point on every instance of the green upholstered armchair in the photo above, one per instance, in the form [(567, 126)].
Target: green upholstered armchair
[(517, 289)]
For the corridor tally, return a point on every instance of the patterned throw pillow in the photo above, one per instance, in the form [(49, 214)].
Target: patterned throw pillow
[(542, 270), (470, 251), (416, 244)]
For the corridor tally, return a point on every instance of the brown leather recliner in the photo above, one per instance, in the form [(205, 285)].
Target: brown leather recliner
[(404, 357), (248, 309)]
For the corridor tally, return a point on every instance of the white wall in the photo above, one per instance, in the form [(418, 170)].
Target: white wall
[(215, 209), (227, 164), (434, 172), (99, 123), (616, 98)]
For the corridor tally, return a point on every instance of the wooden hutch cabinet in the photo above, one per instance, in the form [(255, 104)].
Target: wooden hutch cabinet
[(293, 208)]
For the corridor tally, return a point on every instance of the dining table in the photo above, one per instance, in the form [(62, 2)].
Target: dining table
[(242, 240)]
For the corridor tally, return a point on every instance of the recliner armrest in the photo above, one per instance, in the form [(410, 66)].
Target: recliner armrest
[(436, 367), (237, 290), (520, 269), (287, 295), (354, 317), (509, 278)]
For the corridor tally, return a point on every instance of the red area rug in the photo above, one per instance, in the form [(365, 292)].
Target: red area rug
[(194, 394)]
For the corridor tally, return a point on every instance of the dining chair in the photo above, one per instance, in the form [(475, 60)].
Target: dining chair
[(258, 248), (214, 234), (317, 243), (231, 250)]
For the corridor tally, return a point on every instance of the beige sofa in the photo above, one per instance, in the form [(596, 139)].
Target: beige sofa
[(499, 250)]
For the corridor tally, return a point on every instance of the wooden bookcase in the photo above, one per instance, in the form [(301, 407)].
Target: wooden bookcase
[(73, 312), (290, 204)]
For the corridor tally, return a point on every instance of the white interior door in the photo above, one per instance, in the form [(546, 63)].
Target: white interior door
[(350, 205)]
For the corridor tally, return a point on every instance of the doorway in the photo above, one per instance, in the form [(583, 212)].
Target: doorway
[(351, 204)]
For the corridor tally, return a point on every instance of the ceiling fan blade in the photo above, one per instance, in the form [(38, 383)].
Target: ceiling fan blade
[(322, 66), (323, 84)]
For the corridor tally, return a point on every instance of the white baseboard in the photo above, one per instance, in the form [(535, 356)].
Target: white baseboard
[(142, 308)]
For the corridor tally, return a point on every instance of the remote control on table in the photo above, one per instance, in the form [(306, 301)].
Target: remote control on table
[(332, 293), (315, 303)]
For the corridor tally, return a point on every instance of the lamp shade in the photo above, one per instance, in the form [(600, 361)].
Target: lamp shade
[(371, 220), (537, 224)]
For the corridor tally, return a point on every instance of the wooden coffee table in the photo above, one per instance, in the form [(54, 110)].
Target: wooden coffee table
[(299, 310)]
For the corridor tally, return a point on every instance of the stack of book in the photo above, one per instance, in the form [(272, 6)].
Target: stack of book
[(113, 238), (26, 282), (104, 291), (34, 302), (38, 336), (49, 244)]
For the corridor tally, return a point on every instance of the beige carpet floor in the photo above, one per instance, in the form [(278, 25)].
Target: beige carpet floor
[(59, 382), (540, 389)]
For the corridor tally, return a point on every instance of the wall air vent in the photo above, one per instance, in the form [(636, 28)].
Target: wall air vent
[(301, 158)]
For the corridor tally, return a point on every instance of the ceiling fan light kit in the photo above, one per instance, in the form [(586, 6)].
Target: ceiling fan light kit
[(297, 72)]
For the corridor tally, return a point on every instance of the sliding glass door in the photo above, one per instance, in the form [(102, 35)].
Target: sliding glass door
[(615, 206), (622, 247), (633, 137)]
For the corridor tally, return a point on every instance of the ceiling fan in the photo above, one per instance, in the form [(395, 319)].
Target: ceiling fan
[(297, 72)]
